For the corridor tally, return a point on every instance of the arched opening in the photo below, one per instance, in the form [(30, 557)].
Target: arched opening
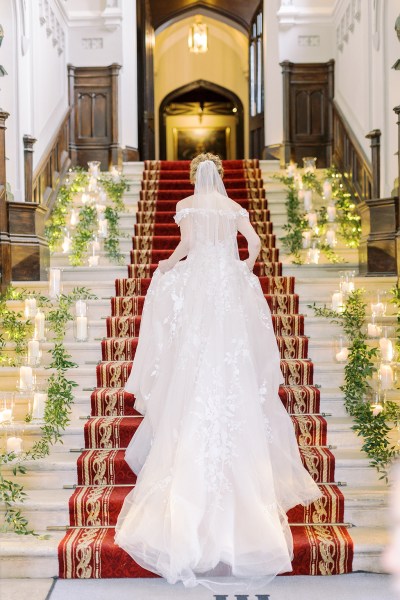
[(201, 117)]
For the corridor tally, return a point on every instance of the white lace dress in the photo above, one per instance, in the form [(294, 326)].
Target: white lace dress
[(216, 455)]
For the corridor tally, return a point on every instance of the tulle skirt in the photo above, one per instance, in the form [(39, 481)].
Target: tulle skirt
[(216, 457)]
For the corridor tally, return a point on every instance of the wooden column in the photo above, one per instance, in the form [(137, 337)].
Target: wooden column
[(29, 142), (5, 247), (375, 137)]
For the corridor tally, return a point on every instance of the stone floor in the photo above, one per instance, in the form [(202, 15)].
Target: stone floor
[(356, 586)]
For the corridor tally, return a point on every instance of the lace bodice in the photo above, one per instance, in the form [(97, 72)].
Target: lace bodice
[(212, 228)]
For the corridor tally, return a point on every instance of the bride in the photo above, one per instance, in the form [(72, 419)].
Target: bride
[(215, 455)]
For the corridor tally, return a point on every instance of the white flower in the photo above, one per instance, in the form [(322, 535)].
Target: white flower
[(377, 410)]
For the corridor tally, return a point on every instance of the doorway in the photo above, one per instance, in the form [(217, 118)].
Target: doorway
[(201, 117)]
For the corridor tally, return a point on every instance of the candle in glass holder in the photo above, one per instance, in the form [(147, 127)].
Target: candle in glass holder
[(307, 200), (39, 405), (14, 444), (373, 330), (331, 213), (73, 218), (66, 245), (94, 168), (342, 355), (116, 176), (103, 228), (378, 309), (92, 187), (306, 235), (93, 261), (30, 307), (39, 326), (25, 378), (81, 329), (312, 219), (327, 189), (80, 308), (337, 302), (33, 352), (386, 348), (386, 377), (331, 238), (54, 283), (313, 256), (376, 409), (5, 415)]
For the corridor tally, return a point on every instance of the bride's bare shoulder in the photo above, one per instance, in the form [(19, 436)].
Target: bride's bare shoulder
[(185, 203)]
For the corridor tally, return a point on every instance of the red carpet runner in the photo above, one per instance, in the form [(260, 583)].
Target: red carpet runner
[(321, 545)]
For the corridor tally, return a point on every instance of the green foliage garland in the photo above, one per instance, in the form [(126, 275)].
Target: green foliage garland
[(348, 221), (59, 393), (86, 228), (359, 369)]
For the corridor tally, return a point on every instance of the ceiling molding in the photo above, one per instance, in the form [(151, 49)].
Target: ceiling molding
[(110, 18), (204, 12), (289, 15)]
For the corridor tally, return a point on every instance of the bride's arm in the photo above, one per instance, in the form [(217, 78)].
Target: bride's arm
[(253, 240), (181, 250)]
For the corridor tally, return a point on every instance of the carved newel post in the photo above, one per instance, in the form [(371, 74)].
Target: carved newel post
[(28, 166), (5, 247)]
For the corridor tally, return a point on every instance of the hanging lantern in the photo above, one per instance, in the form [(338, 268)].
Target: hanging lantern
[(198, 38)]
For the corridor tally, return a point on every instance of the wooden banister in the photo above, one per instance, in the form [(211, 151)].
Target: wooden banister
[(350, 158), (52, 167)]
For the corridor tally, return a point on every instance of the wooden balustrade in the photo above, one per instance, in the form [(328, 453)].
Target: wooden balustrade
[(350, 158)]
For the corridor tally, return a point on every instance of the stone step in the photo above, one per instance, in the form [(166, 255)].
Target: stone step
[(37, 558), (362, 506), (59, 469)]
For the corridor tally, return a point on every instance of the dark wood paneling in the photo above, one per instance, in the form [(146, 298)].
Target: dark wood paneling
[(378, 252), (93, 97), (30, 253), (307, 95)]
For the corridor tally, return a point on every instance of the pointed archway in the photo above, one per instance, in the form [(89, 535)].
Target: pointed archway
[(203, 92)]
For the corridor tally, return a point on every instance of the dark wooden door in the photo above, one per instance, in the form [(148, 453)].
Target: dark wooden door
[(145, 49), (256, 86), (93, 94), (307, 111)]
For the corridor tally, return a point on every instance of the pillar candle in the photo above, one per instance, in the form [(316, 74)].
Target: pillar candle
[(331, 213), (93, 261), (386, 347), (25, 378), (81, 329), (103, 228), (73, 219), (312, 219), (342, 355), (66, 245), (386, 377), (378, 308), (327, 189), (373, 330), (115, 173), (337, 301), (39, 326), (5, 415), (54, 283), (33, 351), (14, 444), (30, 307), (39, 404), (347, 286), (80, 308), (307, 200), (331, 238), (306, 235), (313, 255)]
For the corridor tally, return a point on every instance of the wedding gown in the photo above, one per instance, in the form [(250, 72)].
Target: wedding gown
[(216, 457)]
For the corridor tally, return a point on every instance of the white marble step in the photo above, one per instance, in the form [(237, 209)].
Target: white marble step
[(59, 469), (362, 506), (38, 558)]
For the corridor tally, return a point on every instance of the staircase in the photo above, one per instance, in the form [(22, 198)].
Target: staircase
[(84, 481)]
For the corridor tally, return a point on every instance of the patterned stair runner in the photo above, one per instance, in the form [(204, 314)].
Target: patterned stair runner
[(322, 544)]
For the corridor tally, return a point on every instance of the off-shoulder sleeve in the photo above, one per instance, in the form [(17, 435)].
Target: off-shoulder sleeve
[(242, 212), (180, 214)]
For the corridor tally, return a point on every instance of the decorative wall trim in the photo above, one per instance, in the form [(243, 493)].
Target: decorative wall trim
[(110, 18)]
